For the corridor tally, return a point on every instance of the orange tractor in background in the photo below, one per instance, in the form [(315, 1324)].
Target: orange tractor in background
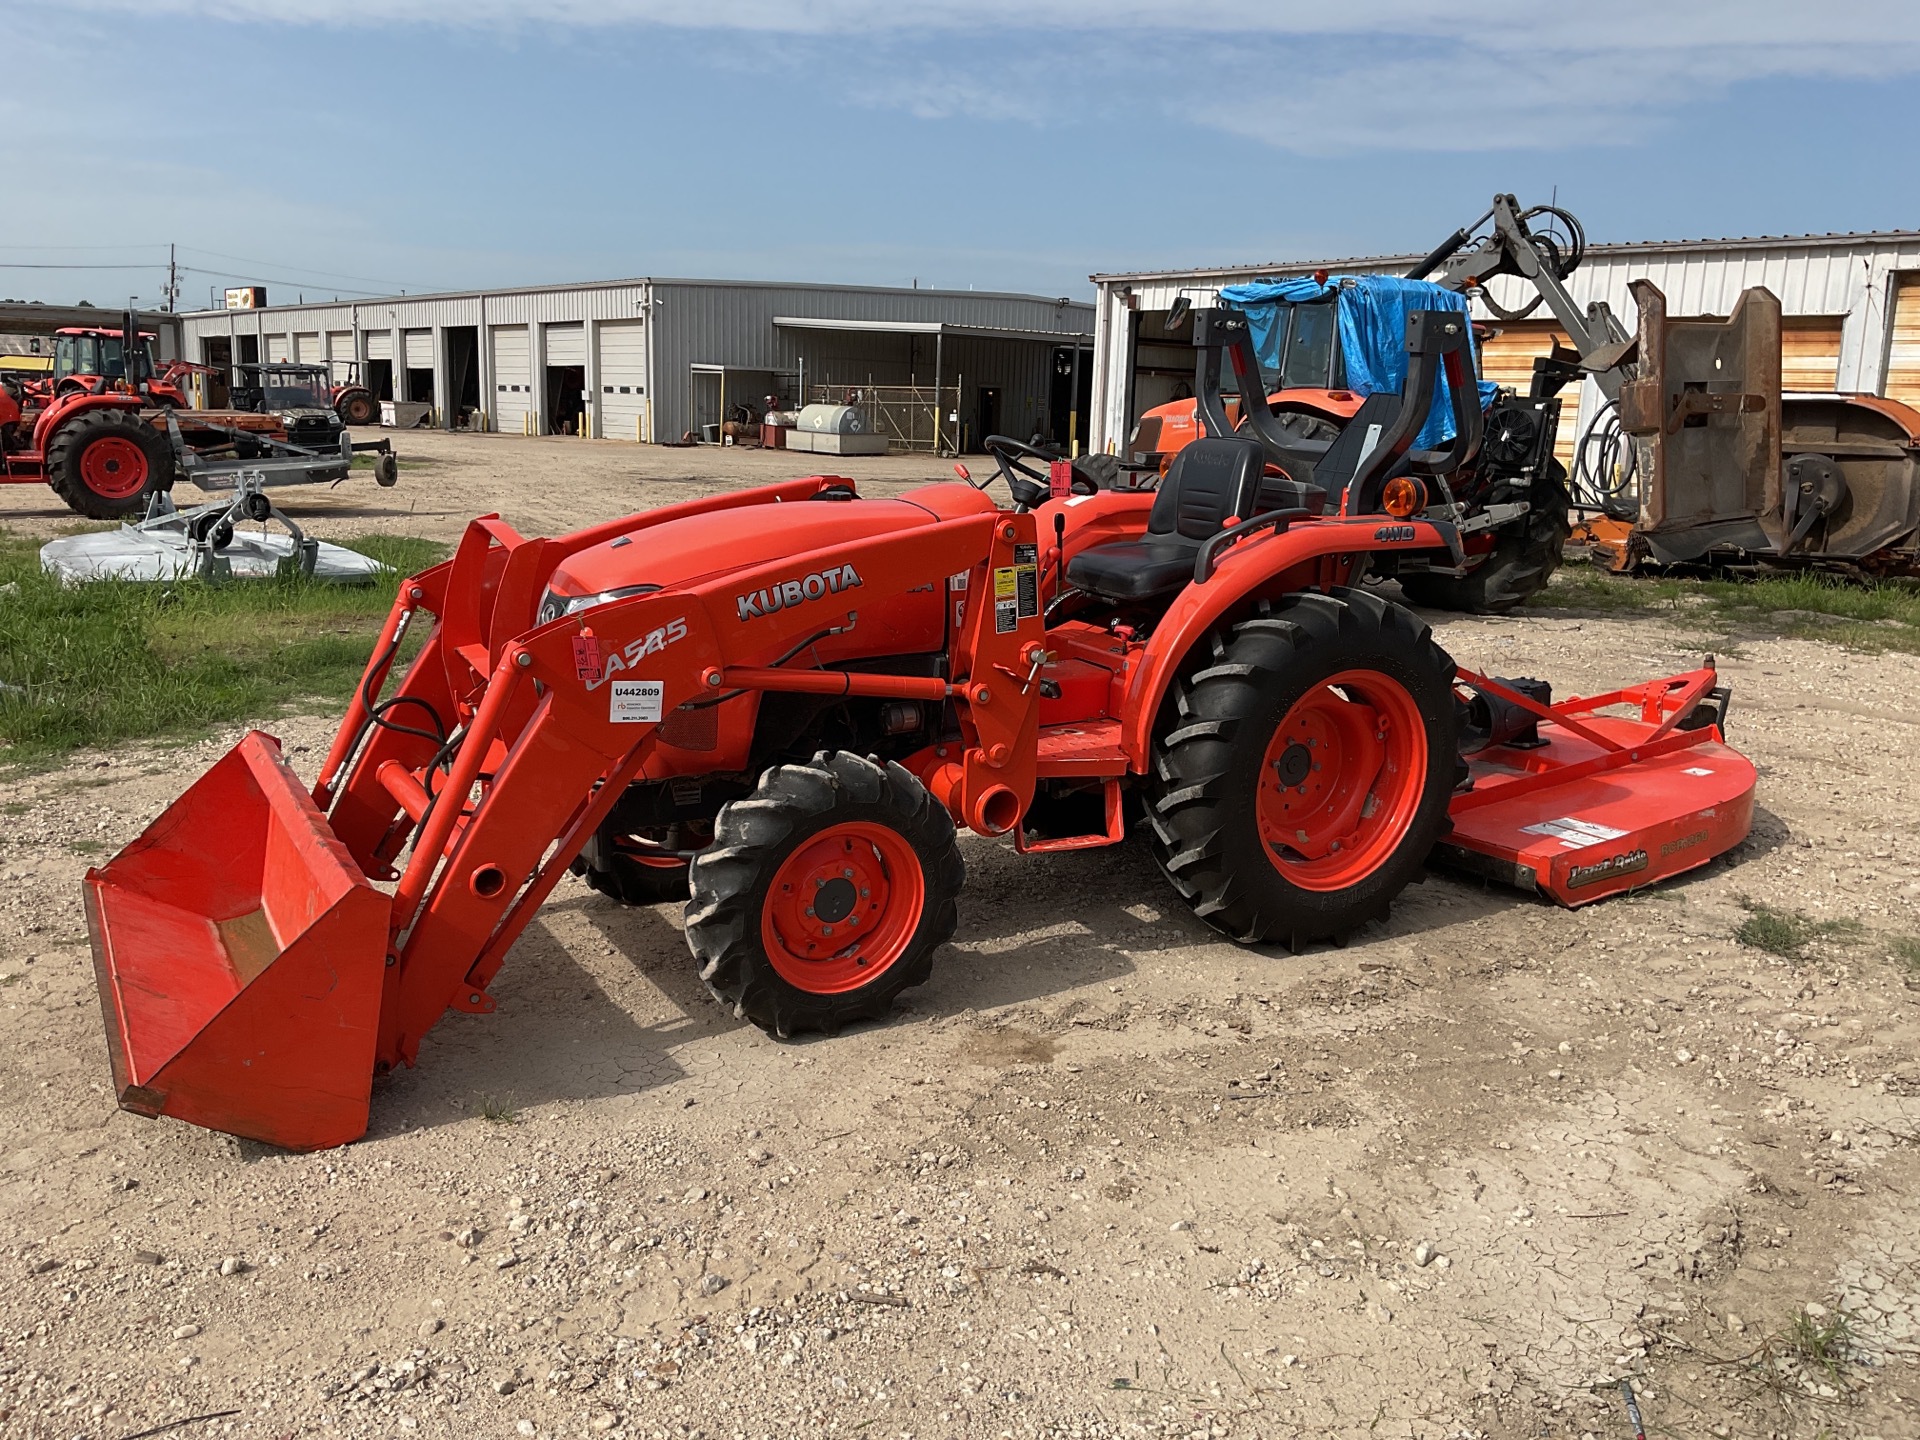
[(111, 440), (779, 704)]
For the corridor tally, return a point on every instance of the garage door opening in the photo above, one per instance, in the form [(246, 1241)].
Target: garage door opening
[(463, 374), (217, 352), (380, 379), (566, 398), (420, 385)]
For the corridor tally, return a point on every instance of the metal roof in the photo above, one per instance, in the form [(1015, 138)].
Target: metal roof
[(29, 317), (490, 292), (1828, 240), (928, 327)]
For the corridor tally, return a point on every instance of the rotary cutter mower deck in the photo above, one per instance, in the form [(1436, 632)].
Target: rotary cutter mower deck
[(780, 703)]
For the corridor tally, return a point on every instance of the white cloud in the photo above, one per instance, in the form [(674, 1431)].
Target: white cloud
[(1312, 78)]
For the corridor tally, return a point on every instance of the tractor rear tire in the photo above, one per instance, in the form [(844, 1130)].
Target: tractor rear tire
[(107, 464), (358, 407), (843, 844), (1523, 559), (1323, 722)]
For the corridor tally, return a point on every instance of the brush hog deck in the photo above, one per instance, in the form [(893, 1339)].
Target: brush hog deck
[(781, 705)]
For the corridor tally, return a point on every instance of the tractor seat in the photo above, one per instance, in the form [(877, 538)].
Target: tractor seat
[(1209, 481)]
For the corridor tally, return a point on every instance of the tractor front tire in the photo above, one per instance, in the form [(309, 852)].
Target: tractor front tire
[(358, 407), (1301, 774), (1524, 556), (107, 464), (824, 894), (630, 877)]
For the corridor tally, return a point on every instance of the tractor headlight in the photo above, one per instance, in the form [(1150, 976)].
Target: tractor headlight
[(553, 607)]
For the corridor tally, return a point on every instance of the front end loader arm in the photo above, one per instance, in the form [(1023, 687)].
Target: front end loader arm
[(552, 743)]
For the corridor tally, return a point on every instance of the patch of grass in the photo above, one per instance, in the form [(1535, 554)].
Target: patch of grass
[(1825, 1342), (1787, 933), (1588, 587), (113, 661), (496, 1111), (365, 461), (1879, 615), (86, 847), (1906, 949)]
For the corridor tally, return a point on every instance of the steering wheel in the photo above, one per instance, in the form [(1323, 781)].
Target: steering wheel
[(1030, 486)]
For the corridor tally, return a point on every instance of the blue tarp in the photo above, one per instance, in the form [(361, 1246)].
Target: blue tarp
[(1372, 317)]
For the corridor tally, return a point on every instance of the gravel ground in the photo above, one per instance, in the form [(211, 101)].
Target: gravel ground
[(1104, 1176)]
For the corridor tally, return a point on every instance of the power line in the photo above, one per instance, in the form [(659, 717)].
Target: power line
[(120, 246), (131, 265), (328, 274), (277, 280)]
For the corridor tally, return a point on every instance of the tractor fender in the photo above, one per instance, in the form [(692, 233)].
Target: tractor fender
[(1269, 565), (72, 407)]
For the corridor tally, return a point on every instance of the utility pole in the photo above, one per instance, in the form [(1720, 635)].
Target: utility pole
[(173, 279)]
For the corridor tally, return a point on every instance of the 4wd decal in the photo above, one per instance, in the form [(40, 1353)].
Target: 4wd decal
[(635, 651), (1625, 863), (775, 598)]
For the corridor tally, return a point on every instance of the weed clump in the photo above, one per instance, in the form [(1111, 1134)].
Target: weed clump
[(1788, 933)]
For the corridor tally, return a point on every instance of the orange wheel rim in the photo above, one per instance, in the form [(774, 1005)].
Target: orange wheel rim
[(1341, 780), (842, 908), (114, 466)]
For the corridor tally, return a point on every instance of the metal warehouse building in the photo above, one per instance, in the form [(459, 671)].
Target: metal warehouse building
[(1851, 303), (654, 360)]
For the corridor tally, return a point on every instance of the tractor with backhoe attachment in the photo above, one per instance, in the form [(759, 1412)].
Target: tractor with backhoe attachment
[(780, 704)]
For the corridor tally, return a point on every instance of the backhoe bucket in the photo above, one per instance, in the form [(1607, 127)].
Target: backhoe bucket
[(240, 952)]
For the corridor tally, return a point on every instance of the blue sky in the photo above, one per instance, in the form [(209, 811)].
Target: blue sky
[(364, 146)]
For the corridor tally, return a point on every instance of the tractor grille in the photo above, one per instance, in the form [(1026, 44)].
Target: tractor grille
[(313, 431)]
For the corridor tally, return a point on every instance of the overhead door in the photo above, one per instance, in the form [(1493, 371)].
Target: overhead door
[(306, 348), (1903, 357), (512, 379), (419, 349), (1810, 352), (276, 348), (1507, 359), (566, 344), (340, 353), (623, 379), (379, 345)]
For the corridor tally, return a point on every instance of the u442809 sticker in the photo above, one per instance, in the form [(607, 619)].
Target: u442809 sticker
[(636, 702)]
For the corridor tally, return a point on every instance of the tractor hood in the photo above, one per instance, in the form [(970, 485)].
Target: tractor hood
[(689, 550)]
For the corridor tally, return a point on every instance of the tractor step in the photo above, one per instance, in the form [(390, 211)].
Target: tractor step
[(240, 958)]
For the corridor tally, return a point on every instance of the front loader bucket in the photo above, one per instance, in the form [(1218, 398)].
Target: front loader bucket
[(239, 952)]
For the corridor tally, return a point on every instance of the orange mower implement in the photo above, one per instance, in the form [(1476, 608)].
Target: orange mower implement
[(780, 705)]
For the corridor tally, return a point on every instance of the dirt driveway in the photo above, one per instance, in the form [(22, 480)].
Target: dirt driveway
[(1107, 1176)]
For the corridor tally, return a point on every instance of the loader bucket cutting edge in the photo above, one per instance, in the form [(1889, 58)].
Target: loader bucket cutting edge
[(240, 954)]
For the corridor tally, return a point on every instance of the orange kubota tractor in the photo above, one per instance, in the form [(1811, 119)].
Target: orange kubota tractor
[(781, 702)]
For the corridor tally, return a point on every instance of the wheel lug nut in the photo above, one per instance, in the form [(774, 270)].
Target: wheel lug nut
[(809, 912), (847, 873)]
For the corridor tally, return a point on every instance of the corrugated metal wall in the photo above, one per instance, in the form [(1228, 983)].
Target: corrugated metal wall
[(726, 323), (717, 324), (1838, 293)]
